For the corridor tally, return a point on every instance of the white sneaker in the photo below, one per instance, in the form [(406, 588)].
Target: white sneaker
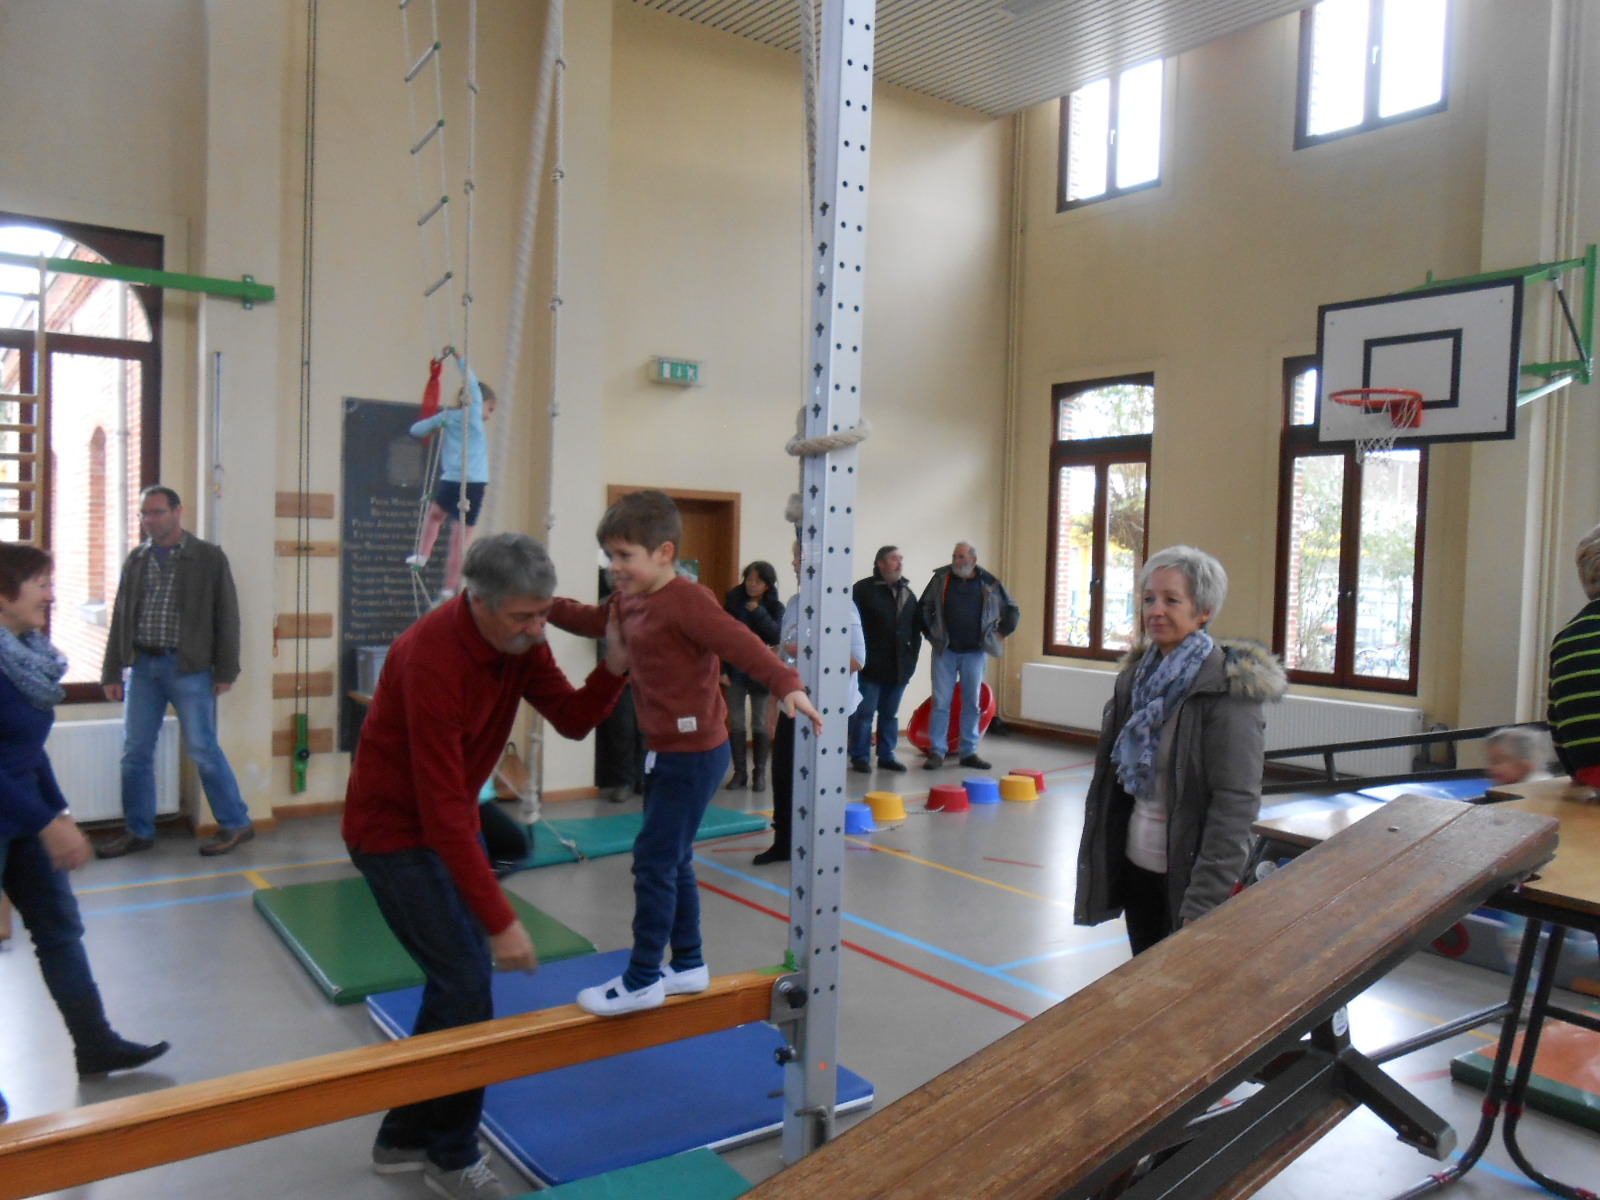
[(416, 562), (686, 983), (611, 999), (477, 1182)]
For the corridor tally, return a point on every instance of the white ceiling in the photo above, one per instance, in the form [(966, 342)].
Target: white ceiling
[(977, 54)]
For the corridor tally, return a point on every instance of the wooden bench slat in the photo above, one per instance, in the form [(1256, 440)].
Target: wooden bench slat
[(44, 1154), (1052, 1100)]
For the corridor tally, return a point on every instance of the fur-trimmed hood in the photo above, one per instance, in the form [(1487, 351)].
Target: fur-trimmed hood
[(1251, 671)]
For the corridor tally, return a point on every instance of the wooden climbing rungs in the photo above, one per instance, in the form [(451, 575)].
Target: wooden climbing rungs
[(286, 685), (289, 548), (1062, 1104), (317, 505), (303, 625), (318, 741)]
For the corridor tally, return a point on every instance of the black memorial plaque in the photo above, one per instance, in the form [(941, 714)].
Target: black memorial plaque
[(383, 475)]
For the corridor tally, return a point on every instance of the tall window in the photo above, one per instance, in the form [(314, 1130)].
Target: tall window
[(1099, 492), (1111, 136), (1350, 538), (1366, 63), (97, 446)]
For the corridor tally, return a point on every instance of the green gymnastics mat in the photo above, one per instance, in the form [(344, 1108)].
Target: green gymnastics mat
[(1566, 1077), (336, 931), (695, 1175), (597, 837)]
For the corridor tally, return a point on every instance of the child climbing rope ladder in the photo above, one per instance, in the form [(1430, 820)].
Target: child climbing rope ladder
[(455, 459)]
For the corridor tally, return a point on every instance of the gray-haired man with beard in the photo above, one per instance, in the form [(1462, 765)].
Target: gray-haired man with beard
[(966, 615)]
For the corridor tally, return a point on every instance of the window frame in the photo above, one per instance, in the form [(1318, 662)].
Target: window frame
[(124, 248), (1300, 441), (1112, 191), (1101, 454), (1370, 119)]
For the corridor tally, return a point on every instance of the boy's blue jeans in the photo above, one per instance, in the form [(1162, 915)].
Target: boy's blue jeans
[(153, 682), (666, 899)]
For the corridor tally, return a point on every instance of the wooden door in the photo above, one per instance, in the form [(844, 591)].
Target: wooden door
[(710, 532)]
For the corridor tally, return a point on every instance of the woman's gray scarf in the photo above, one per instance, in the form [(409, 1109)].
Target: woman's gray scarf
[(34, 665), (1159, 683)]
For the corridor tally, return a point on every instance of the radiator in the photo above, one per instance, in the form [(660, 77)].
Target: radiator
[(1074, 698), (87, 759)]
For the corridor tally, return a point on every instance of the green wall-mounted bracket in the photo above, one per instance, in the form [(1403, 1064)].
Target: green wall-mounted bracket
[(246, 290)]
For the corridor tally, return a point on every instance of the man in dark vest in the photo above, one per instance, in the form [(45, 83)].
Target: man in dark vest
[(888, 609)]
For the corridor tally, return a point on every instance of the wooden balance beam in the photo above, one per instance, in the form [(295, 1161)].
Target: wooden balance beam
[(62, 1150), (1064, 1104)]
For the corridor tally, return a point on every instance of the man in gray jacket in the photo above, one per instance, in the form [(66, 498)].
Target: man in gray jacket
[(966, 614), (175, 638)]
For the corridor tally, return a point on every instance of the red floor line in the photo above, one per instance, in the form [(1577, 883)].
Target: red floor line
[(1013, 862), (875, 956), (1425, 1077)]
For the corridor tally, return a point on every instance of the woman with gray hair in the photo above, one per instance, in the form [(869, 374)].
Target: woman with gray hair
[(1574, 710), (1177, 778)]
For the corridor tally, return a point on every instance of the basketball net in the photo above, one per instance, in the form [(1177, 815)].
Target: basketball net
[(1391, 411)]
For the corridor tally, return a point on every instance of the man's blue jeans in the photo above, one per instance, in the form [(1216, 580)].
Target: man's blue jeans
[(153, 683), (44, 900), (666, 898), (948, 665), (882, 700), (422, 906)]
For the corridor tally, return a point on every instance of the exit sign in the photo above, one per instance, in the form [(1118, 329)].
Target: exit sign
[(680, 371)]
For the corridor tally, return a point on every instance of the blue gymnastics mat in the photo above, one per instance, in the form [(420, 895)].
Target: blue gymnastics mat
[(1438, 789), (715, 1091), (1294, 806)]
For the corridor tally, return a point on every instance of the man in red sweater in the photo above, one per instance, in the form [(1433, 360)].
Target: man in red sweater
[(440, 716)]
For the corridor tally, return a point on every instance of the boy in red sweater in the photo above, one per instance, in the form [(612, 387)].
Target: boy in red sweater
[(677, 636)]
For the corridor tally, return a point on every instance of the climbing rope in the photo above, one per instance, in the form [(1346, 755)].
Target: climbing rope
[(302, 574), (802, 447)]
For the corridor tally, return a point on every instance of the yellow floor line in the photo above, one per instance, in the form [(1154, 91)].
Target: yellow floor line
[(246, 871), (255, 878), (1004, 887), (1427, 1018)]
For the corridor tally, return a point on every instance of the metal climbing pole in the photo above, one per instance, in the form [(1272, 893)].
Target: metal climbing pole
[(827, 533)]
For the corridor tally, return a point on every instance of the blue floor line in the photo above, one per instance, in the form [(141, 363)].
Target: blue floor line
[(1065, 952), (1515, 1177), (904, 939), (128, 908)]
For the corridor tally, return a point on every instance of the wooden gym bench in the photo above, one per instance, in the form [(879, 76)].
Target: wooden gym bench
[(45, 1154), (1064, 1105)]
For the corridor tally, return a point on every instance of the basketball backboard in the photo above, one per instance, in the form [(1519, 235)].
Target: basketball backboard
[(1459, 345)]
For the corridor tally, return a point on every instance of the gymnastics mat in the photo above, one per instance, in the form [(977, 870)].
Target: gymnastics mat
[(715, 1091), (1566, 1075), (1470, 788), (336, 931), (697, 1175), (614, 834)]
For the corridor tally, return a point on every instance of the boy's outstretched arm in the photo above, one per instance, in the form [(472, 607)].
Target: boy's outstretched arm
[(798, 701)]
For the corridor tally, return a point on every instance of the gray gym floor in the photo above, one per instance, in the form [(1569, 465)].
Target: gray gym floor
[(958, 927)]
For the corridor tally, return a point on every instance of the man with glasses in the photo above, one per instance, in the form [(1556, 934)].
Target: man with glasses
[(175, 640)]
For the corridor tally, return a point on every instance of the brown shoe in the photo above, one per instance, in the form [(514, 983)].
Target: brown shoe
[(227, 840), (123, 843)]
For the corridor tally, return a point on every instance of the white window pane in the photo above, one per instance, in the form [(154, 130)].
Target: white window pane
[(1337, 94), (1411, 72), (1116, 410), (1075, 488), (1139, 125), (1316, 516), (1385, 590), (1088, 124), (1127, 486), (1303, 398)]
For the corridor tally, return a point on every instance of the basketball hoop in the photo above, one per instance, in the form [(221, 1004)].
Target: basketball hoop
[(1402, 407)]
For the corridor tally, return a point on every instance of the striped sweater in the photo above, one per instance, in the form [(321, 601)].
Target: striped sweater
[(1575, 690)]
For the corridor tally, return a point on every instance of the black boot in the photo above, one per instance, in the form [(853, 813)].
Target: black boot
[(740, 778), (763, 749), (97, 1047)]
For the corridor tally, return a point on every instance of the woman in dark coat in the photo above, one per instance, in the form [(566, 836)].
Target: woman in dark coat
[(755, 603), (39, 841), (1177, 777)]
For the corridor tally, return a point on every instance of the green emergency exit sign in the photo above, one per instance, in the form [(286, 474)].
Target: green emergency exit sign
[(680, 371)]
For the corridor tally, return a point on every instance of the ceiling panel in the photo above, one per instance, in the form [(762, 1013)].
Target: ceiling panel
[(982, 56)]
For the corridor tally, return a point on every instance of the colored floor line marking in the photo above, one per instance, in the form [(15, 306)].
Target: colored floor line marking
[(1521, 1181), (256, 880), (128, 908), (904, 939), (1014, 862), (1005, 887), (1064, 952), (1428, 1018), (876, 957), (118, 887), (1425, 1077)]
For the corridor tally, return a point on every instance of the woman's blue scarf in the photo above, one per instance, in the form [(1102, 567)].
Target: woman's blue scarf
[(34, 665), (1159, 683)]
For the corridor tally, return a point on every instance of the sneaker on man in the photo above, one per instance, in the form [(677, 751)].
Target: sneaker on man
[(976, 763), (477, 1182), (122, 844), (933, 762), (685, 983), (861, 766), (891, 764), (227, 840), (611, 999), (393, 1160)]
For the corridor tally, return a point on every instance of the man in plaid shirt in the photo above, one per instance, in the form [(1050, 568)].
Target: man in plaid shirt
[(175, 638)]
